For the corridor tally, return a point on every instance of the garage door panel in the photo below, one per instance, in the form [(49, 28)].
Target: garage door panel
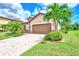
[(41, 28)]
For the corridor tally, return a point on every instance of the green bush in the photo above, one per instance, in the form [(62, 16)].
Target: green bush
[(56, 35), (64, 31), (15, 34)]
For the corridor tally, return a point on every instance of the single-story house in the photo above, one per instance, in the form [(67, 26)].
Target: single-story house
[(37, 24)]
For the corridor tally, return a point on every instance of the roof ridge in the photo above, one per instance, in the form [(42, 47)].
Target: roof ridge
[(33, 17)]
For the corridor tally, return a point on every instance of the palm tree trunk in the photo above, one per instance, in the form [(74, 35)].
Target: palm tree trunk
[(56, 25)]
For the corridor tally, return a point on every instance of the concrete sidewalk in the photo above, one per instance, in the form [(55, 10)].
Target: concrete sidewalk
[(17, 45)]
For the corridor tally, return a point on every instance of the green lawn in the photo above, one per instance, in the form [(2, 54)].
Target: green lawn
[(70, 47), (3, 35)]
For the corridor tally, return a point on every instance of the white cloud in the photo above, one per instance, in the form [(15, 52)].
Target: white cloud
[(42, 11), (6, 13), (36, 11), (16, 5), (13, 10), (24, 14)]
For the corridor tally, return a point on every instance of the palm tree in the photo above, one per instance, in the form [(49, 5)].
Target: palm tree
[(3, 26), (58, 13), (15, 26)]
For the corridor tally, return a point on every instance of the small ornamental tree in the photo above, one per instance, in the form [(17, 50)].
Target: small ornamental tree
[(15, 27)]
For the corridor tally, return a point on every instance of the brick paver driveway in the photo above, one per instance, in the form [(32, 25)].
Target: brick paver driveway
[(17, 45)]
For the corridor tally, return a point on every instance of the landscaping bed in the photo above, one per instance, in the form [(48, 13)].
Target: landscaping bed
[(55, 36), (55, 40)]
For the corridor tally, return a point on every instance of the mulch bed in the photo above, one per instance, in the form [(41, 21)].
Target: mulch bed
[(55, 40)]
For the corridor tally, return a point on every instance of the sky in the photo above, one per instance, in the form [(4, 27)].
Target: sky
[(25, 10)]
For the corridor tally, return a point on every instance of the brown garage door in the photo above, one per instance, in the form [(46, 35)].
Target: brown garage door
[(41, 28)]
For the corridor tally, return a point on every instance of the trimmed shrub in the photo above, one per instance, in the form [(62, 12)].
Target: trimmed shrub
[(64, 31), (54, 36), (16, 34)]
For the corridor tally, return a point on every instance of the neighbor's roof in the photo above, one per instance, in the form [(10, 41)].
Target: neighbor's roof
[(29, 20), (12, 19), (6, 18)]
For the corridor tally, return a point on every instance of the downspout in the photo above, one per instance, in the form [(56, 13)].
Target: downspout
[(24, 27)]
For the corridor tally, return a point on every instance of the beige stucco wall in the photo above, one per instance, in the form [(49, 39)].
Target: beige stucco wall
[(27, 26), (39, 20), (3, 21)]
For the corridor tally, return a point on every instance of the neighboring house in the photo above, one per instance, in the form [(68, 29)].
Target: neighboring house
[(5, 20), (37, 24)]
